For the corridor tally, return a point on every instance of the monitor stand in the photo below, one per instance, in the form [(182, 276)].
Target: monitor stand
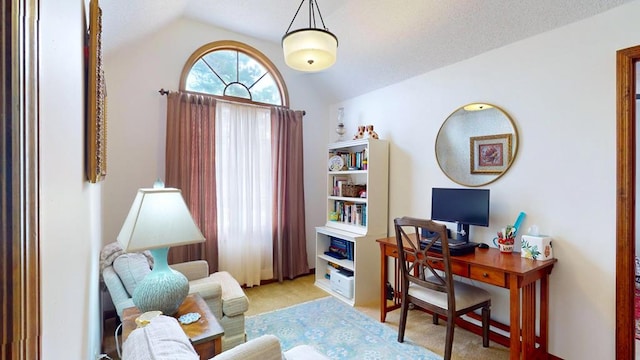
[(462, 233)]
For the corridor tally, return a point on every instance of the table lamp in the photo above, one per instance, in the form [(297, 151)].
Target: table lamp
[(159, 218)]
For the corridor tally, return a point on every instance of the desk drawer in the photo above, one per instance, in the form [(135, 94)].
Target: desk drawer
[(457, 268), (391, 251), (489, 276)]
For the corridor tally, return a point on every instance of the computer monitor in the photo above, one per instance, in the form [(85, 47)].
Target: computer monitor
[(462, 206)]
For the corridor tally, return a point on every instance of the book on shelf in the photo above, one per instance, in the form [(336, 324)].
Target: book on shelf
[(351, 213), (340, 249), (352, 160), (338, 181)]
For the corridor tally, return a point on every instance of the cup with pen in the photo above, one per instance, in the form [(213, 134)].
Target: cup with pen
[(505, 239)]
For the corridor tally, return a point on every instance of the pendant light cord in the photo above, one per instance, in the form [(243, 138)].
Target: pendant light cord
[(312, 15), (294, 17)]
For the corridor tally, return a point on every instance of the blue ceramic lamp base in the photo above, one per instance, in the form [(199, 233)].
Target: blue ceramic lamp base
[(163, 289)]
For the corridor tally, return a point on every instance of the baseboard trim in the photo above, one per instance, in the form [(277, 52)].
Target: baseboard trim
[(271, 281)]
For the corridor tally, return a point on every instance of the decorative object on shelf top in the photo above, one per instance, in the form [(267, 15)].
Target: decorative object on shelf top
[(364, 132), (340, 130), (371, 133), (309, 49)]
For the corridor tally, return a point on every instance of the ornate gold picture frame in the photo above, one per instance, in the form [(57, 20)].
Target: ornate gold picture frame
[(490, 154), (96, 124)]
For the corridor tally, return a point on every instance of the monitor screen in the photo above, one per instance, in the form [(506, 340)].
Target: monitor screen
[(462, 206)]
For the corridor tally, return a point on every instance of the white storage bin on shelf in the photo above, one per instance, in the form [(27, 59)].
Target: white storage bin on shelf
[(357, 202)]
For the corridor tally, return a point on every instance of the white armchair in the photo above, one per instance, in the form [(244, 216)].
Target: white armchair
[(122, 271), (163, 338)]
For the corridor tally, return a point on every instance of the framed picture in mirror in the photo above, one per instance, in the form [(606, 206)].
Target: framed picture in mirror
[(490, 154)]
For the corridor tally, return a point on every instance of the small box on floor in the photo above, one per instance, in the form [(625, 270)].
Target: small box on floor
[(536, 247), (342, 283)]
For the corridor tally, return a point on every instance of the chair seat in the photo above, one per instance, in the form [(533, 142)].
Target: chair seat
[(466, 295)]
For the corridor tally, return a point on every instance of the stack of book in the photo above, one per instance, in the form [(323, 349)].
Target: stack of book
[(353, 160), (351, 213), (340, 249)]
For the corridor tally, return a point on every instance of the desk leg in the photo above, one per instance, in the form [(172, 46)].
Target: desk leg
[(514, 308), (544, 313), (529, 320), (383, 284)]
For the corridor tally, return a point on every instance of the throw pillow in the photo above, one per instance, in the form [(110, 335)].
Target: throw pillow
[(131, 268), (162, 338)]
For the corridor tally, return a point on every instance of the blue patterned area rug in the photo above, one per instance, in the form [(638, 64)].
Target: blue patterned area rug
[(335, 329)]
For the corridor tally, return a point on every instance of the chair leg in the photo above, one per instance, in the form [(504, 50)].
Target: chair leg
[(435, 319), (404, 307), (448, 346), (486, 316)]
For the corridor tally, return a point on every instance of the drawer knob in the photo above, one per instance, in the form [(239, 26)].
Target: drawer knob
[(485, 275)]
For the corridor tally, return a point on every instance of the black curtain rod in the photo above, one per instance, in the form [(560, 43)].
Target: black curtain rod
[(162, 91)]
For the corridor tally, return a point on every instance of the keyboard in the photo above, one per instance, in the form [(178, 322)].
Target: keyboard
[(456, 247)]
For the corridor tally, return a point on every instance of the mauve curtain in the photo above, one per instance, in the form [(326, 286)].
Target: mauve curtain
[(190, 166), (289, 235)]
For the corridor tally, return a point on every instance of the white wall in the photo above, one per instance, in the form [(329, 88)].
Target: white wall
[(70, 221), (137, 114), (560, 89)]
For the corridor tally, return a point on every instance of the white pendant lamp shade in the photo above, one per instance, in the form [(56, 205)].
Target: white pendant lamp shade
[(310, 50)]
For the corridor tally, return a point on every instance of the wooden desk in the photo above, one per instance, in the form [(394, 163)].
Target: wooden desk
[(205, 334), (509, 271)]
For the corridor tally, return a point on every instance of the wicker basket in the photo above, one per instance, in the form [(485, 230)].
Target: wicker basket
[(351, 190)]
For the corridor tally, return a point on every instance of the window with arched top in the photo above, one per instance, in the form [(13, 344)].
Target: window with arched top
[(234, 70)]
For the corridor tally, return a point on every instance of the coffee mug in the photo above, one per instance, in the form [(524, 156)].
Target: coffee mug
[(504, 245), (505, 248)]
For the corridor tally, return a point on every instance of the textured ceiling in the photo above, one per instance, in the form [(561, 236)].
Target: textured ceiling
[(380, 41)]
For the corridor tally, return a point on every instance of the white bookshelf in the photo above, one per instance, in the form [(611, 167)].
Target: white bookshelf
[(365, 264)]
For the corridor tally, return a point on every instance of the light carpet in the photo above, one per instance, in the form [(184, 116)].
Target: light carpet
[(335, 329)]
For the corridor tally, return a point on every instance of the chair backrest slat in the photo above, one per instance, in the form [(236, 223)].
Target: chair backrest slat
[(419, 263)]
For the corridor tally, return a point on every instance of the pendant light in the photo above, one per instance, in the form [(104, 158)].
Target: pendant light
[(309, 49)]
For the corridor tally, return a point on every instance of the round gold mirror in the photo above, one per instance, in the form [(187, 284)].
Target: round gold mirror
[(476, 144)]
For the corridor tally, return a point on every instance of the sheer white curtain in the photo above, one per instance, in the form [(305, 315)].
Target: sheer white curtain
[(244, 192)]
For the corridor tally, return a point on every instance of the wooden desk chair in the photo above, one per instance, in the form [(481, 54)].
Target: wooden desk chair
[(427, 280)]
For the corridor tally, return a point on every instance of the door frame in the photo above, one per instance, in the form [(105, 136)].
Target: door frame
[(625, 202)]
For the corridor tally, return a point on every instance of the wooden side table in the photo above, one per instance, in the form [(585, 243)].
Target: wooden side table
[(205, 334)]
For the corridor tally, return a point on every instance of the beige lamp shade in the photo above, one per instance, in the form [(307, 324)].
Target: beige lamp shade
[(158, 218), (310, 49)]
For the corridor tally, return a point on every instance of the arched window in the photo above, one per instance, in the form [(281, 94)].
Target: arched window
[(233, 69)]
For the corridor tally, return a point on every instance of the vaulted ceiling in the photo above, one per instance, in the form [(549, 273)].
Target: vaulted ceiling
[(380, 41)]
